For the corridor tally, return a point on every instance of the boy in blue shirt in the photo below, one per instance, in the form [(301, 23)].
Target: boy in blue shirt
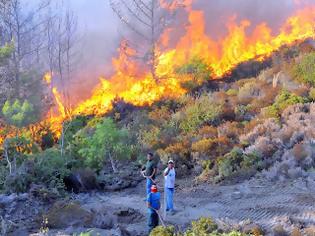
[(153, 204)]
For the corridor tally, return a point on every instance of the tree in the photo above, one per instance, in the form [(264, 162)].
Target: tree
[(5, 53), (17, 114), (106, 142), (62, 41), (147, 19), (23, 26), (6, 88)]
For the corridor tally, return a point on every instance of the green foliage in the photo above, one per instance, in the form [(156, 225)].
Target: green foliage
[(203, 110), (204, 226), (163, 231), (5, 52), (4, 172), (104, 142), (18, 114), (236, 160), (51, 168), (198, 70), (305, 70), (230, 162), (282, 101), (312, 94), (21, 146), (232, 92)]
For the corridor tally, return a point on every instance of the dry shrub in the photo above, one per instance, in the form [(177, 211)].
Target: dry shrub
[(249, 91), (296, 232), (299, 152), (160, 115), (301, 91), (207, 132), (286, 135), (231, 130), (203, 145)]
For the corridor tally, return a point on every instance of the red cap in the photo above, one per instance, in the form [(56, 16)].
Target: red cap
[(153, 189)]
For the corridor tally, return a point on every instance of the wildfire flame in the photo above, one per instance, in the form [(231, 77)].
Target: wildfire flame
[(139, 88)]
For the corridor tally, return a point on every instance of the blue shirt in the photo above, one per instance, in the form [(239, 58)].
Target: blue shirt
[(154, 200)]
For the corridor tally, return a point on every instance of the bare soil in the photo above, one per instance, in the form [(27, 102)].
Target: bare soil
[(265, 203)]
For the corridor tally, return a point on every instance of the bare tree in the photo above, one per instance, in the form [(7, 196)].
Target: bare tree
[(147, 19), (62, 41), (24, 27)]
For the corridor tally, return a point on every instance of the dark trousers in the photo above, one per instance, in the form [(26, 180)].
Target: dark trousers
[(153, 220)]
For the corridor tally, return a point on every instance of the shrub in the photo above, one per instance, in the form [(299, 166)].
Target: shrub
[(3, 175), (163, 231), (204, 110), (198, 70), (202, 146), (232, 92), (304, 71), (311, 94), (106, 141), (204, 226), (51, 168), (248, 92), (282, 101)]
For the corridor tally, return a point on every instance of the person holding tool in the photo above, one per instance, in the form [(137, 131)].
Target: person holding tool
[(153, 205), (149, 172), (169, 177)]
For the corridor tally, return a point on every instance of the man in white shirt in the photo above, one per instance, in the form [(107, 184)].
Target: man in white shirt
[(169, 176)]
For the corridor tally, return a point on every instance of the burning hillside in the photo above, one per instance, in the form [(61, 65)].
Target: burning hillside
[(134, 85)]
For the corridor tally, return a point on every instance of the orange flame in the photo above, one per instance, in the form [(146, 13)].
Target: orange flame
[(139, 88)]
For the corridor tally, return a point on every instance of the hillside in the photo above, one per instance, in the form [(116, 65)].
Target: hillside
[(243, 148)]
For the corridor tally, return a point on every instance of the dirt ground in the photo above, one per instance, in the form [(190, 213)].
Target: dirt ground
[(268, 204)]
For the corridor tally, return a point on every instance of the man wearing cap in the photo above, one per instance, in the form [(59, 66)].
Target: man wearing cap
[(169, 176), (153, 204), (149, 172)]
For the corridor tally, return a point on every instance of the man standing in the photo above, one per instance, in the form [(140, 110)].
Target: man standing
[(149, 172), (169, 176), (153, 204)]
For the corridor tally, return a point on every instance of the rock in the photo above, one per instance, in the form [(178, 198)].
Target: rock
[(81, 181), (278, 230), (63, 215), (7, 199)]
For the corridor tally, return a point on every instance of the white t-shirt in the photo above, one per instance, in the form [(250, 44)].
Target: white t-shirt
[(170, 178)]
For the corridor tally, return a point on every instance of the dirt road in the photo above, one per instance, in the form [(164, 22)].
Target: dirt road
[(265, 203)]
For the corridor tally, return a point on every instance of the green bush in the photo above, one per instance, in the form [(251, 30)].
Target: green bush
[(204, 110), (198, 70), (251, 160), (163, 231), (17, 113), (311, 94), (5, 52), (304, 71), (232, 92), (51, 168), (282, 101), (230, 162), (4, 172), (105, 142), (204, 226)]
